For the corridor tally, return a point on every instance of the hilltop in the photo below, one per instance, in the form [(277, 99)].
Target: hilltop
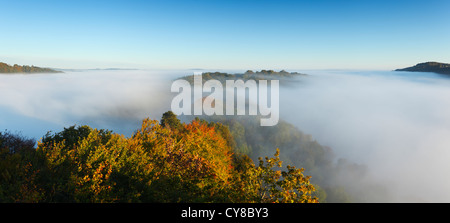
[(440, 68), (248, 75), (6, 68)]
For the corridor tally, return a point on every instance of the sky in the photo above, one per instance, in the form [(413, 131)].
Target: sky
[(212, 34)]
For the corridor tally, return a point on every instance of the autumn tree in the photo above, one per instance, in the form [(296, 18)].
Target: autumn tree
[(289, 186), (195, 162), (18, 169)]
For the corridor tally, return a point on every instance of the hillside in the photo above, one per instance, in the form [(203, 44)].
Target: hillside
[(299, 149), (6, 68), (440, 68), (169, 162)]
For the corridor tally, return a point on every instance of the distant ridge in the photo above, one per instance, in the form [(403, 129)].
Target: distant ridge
[(440, 68), (6, 68), (92, 69), (248, 75)]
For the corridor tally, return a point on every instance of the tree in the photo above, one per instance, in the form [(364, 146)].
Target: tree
[(195, 163), (5, 68), (289, 186), (170, 119), (15, 142), (19, 169)]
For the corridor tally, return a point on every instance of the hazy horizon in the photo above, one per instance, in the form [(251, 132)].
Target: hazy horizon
[(226, 34), (201, 69)]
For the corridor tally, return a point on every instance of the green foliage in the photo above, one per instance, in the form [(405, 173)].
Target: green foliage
[(17, 169), (5, 68), (289, 186), (296, 149), (248, 75), (170, 119), (195, 162), (440, 68)]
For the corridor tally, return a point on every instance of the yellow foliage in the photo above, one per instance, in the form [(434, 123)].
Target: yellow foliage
[(191, 163)]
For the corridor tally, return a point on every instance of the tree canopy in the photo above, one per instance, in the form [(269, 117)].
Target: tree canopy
[(5, 68), (283, 76), (196, 162)]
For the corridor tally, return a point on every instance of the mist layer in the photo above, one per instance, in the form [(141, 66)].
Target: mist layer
[(117, 100), (396, 123)]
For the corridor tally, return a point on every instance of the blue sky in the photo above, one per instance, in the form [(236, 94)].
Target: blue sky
[(244, 34)]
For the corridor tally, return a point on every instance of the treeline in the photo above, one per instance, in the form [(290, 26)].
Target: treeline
[(5, 68), (248, 75), (165, 161), (439, 68)]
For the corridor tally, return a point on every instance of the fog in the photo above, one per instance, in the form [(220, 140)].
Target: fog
[(111, 99), (395, 123)]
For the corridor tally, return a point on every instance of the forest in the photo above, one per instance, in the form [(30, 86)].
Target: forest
[(181, 159), (335, 178), (5, 68), (166, 161), (283, 76), (436, 67)]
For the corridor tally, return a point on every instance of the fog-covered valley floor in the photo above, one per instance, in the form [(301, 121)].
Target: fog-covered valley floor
[(396, 123)]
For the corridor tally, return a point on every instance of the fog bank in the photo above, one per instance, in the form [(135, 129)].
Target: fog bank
[(396, 123), (110, 99)]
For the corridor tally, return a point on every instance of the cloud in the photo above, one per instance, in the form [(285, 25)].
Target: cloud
[(118, 99), (395, 123)]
